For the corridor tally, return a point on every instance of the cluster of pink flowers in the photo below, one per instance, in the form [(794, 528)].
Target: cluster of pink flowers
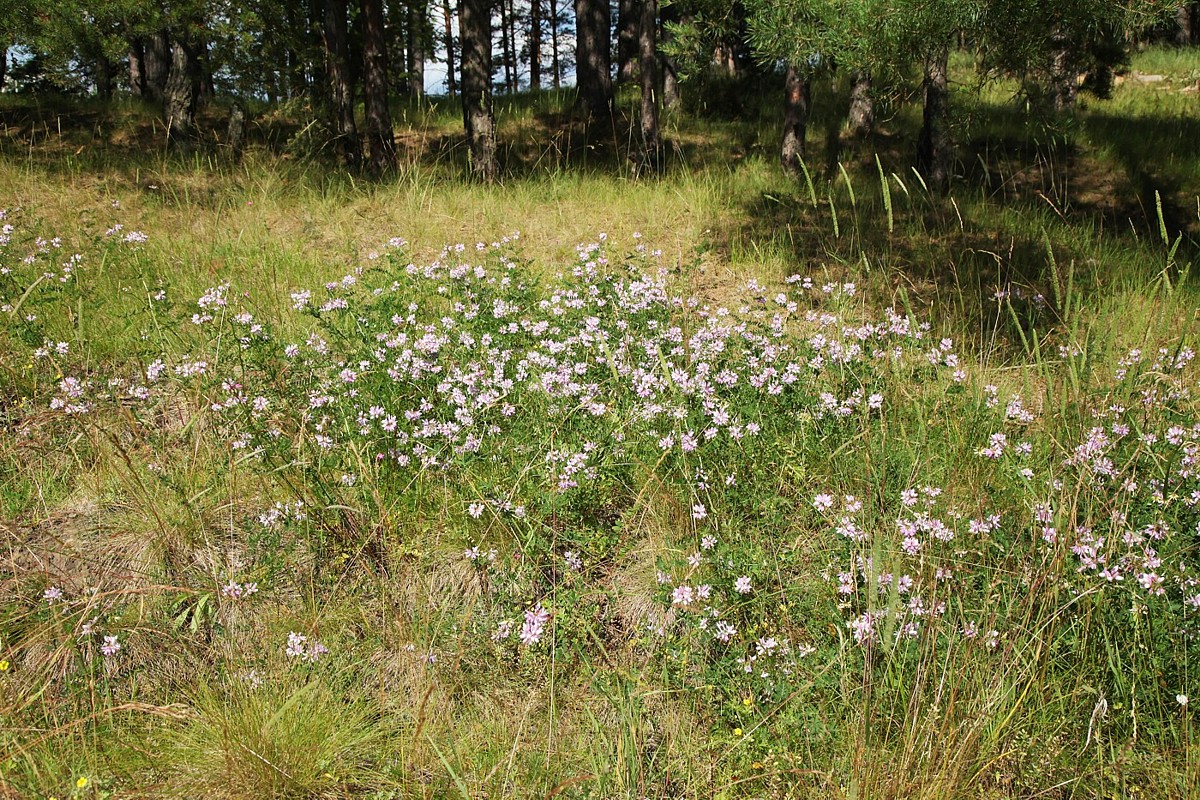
[(300, 647), (239, 591), (534, 625)]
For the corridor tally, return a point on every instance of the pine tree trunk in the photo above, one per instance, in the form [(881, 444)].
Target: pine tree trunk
[(627, 39), (862, 104), (104, 77), (295, 68), (670, 92), (1183, 24), (475, 28), (180, 95), (3, 64), (415, 30), (158, 65), (235, 132), (513, 53), (935, 150), (341, 83), (535, 45), (670, 72), (506, 47), (797, 99), (451, 83), (1062, 72), (592, 60), (289, 60), (380, 135), (725, 58), (397, 48), (137, 68), (554, 62), (205, 87), (651, 157)]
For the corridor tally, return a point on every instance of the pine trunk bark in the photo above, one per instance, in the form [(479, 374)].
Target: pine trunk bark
[(451, 82), (862, 104), (935, 149), (104, 77), (206, 88), (294, 83), (725, 58), (1062, 72), (341, 83), (1184, 24), (651, 157), (137, 68), (670, 72), (415, 30), (513, 55), (295, 66), (235, 132), (3, 64), (380, 135), (475, 28), (670, 92), (555, 66), (535, 45), (158, 65), (513, 51), (506, 54), (180, 95), (797, 100), (627, 39), (592, 60)]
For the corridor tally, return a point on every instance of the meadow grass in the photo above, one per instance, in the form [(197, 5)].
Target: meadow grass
[(713, 485)]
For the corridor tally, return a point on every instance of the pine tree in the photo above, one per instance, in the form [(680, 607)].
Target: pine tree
[(341, 85), (592, 62), (475, 30), (380, 135)]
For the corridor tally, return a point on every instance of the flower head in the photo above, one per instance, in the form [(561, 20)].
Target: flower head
[(535, 624)]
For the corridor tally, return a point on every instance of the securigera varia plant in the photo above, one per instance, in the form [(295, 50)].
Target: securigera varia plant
[(543, 414), (832, 501)]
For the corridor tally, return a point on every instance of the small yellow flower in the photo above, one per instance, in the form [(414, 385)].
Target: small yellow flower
[(737, 731), (82, 782), (748, 701), (4, 665), (757, 765)]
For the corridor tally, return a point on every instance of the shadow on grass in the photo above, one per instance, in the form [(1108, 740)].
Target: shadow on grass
[(1083, 187), (1144, 149), (540, 135)]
